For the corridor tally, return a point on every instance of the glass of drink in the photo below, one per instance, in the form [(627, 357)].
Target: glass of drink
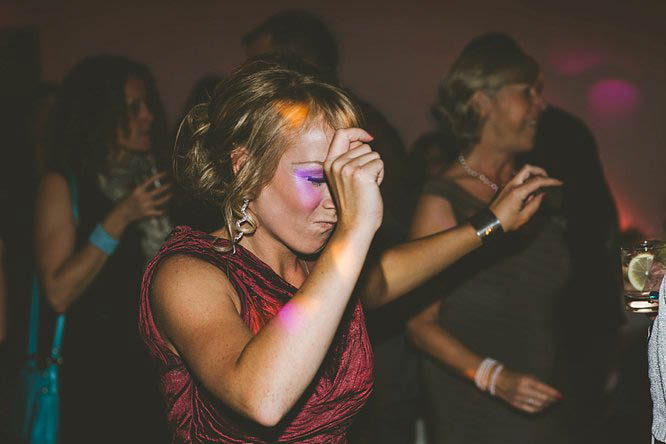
[(643, 268)]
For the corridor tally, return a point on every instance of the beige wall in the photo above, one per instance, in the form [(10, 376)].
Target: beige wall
[(393, 57)]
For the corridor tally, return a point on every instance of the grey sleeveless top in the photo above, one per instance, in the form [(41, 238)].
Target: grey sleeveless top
[(500, 301)]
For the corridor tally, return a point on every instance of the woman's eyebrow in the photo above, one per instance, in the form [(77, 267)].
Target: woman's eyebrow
[(311, 162)]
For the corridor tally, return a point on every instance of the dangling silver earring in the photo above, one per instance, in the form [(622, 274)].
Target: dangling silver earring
[(241, 221)]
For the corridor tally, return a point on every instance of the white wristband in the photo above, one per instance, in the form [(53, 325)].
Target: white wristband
[(482, 373), (493, 378)]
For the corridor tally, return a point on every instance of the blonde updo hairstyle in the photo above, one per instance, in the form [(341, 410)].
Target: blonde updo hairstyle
[(253, 113), (486, 64)]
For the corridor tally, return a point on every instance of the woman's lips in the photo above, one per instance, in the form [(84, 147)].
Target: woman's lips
[(326, 224)]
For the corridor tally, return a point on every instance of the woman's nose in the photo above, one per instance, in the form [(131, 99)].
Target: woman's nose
[(539, 101), (327, 200), (147, 114)]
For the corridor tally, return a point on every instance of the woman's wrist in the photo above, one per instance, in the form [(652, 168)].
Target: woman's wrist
[(492, 385), (101, 239), (482, 375), (348, 249), (486, 224), (357, 235), (487, 374), (117, 220)]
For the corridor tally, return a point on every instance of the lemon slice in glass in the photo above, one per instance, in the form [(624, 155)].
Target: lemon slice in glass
[(638, 270)]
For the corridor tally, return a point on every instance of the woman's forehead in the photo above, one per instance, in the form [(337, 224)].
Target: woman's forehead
[(309, 144), (134, 87)]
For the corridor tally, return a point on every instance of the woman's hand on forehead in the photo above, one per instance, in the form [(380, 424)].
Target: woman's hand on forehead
[(345, 140)]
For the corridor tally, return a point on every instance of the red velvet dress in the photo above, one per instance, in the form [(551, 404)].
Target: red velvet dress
[(327, 407)]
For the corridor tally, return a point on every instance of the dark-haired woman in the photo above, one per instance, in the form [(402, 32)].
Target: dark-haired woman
[(491, 337), (255, 341), (99, 218)]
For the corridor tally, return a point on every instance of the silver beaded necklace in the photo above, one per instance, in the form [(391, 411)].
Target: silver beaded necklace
[(482, 177)]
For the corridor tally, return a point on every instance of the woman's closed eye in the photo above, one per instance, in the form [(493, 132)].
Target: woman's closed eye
[(312, 175), (316, 180)]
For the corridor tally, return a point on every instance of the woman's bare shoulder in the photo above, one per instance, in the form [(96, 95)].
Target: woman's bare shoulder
[(53, 183), (194, 305), (183, 279)]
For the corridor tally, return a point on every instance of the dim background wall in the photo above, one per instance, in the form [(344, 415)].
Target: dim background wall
[(603, 61)]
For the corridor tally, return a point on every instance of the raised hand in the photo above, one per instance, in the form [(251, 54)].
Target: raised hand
[(354, 173), (146, 200), (525, 392), (520, 198)]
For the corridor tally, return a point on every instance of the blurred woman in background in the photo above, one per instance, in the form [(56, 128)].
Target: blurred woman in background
[(491, 339), (100, 216)]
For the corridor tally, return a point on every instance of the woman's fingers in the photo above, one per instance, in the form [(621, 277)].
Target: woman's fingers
[(519, 201), (545, 390), (154, 213), (148, 197), (162, 200), (355, 144), (532, 205), (353, 171), (348, 156), (358, 161), (535, 183), (525, 173), (527, 393), (535, 396), (342, 141), (150, 181), (158, 190)]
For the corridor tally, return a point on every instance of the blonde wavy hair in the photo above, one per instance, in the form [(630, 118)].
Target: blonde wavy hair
[(487, 63), (253, 114)]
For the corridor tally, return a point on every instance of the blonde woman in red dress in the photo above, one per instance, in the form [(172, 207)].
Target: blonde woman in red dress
[(256, 341)]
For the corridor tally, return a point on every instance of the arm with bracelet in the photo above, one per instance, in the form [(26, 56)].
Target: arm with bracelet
[(404, 267), (64, 271), (487, 373)]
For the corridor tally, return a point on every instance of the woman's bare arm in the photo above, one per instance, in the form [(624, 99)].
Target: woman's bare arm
[(260, 376), (404, 267), (434, 214), (65, 272)]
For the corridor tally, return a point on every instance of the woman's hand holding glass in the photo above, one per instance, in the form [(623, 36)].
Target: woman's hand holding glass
[(517, 201), (354, 173), (147, 199)]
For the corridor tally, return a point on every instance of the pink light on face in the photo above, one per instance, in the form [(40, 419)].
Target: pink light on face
[(310, 183), (613, 98)]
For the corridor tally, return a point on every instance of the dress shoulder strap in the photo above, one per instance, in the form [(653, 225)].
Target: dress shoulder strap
[(464, 204)]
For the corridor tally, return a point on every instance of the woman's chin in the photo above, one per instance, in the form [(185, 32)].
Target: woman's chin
[(313, 249), (137, 148)]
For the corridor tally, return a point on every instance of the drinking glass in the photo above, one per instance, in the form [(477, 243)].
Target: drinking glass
[(643, 268)]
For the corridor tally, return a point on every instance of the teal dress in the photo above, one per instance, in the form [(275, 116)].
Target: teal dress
[(500, 302)]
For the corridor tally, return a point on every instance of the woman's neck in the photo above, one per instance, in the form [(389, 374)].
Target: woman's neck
[(496, 165), (277, 256)]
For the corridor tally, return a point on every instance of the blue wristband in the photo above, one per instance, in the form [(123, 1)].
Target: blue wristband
[(103, 240)]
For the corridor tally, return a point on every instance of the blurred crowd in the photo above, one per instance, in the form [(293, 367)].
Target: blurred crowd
[(545, 302)]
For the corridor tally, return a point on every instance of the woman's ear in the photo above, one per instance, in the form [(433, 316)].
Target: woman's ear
[(481, 103), (238, 156)]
